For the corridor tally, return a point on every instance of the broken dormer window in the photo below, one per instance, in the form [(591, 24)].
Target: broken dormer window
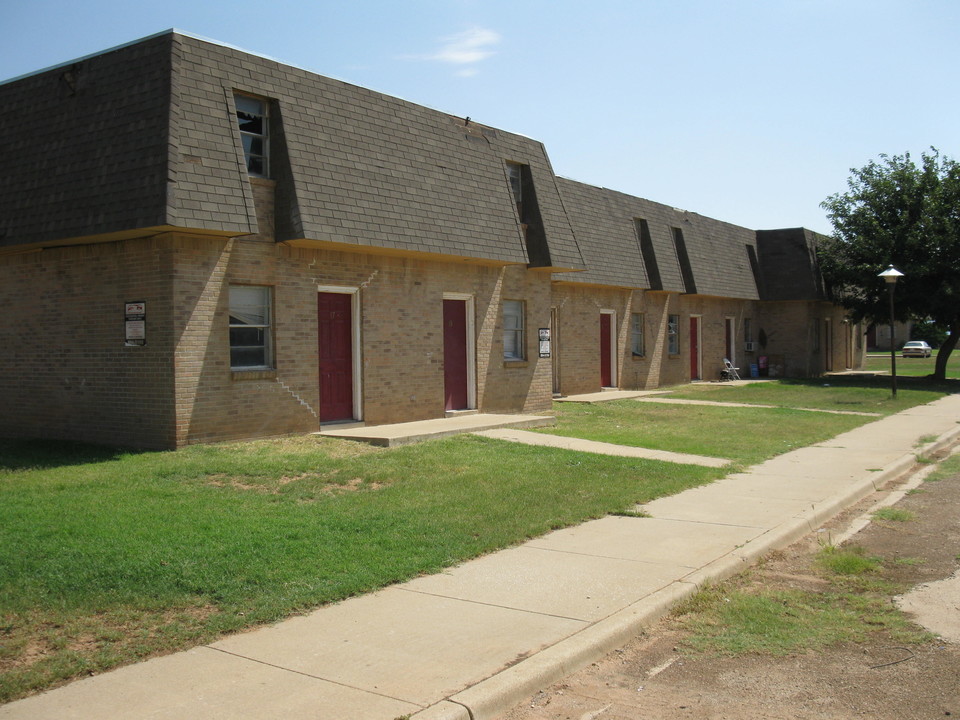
[(253, 121), (528, 213), (515, 174)]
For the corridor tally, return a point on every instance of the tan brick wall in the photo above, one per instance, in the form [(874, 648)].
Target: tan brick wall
[(798, 340), (579, 309), (713, 314), (66, 312), (401, 303), (513, 386), (68, 373)]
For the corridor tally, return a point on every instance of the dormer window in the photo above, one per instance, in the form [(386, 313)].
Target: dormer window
[(253, 121), (515, 174), (524, 195)]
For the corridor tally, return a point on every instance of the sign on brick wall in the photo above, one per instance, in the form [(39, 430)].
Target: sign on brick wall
[(135, 323), (544, 342)]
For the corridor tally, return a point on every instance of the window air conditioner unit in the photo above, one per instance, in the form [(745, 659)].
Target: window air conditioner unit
[(749, 346)]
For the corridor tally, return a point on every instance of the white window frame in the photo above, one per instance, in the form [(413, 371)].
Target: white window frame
[(246, 136), (637, 335), (514, 308), (235, 310), (673, 334)]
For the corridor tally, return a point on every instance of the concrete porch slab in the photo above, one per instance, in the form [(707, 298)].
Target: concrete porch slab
[(419, 430), (608, 395)]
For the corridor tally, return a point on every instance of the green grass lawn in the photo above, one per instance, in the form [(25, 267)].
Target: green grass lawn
[(741, 435), (912, 367), (109, 556), (839, 392)]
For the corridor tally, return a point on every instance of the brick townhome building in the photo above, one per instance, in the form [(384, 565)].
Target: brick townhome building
[(200, 244)]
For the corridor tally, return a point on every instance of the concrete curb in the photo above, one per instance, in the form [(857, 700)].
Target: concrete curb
[(511, 686)]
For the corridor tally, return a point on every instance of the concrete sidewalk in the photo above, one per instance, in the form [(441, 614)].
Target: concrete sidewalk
[(600, 448), (712, 403), (470, 643)]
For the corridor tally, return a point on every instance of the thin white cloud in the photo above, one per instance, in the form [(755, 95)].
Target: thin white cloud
[(468, 47), (463, 50)]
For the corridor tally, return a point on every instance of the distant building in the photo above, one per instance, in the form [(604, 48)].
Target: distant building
[(200, 244), (878, 335)]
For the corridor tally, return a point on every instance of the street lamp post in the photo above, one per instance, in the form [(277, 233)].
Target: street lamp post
[(890, 276)]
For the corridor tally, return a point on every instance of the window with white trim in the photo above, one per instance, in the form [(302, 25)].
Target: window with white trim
[(673, 334), (250, 318), (636, 334), (253, 121), (513, 327)]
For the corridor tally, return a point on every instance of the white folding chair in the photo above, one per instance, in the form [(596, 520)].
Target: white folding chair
[(729, 372)]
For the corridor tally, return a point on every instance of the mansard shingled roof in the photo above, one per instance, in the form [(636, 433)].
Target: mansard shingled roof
[(146, 138), (370, 169), (788, 259), (85, 147), (605, 224)]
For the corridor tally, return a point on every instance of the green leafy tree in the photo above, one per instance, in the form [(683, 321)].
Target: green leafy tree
[(929, 331), (897, 212)]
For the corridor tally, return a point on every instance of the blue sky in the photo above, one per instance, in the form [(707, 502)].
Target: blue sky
[(748, 111)]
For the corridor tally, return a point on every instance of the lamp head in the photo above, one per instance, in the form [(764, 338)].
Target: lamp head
[(890, 275)]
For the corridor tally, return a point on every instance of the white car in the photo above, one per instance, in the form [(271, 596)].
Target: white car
[(916, 348)]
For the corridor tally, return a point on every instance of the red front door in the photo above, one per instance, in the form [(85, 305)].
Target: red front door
[(694, 348), (455, 354), (335, 355), (606, 378)]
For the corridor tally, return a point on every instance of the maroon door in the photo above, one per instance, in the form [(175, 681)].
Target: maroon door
[(694, 348), (335, 355), (728, 340), (605, 379), (455, 354)]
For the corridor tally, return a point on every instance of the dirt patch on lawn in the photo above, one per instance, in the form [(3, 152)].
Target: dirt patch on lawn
[(657, 676)]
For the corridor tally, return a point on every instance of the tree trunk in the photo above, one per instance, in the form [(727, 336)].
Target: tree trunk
[(940, 373)]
